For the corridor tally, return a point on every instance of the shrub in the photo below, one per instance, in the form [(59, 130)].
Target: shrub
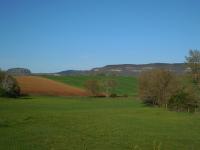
[(125, 95), (8, 86), (185, 99), (113, 95)]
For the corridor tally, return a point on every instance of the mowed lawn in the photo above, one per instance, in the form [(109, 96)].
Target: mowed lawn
[(125, 85), (59, 123)]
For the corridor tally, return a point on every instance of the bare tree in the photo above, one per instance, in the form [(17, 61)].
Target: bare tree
[(93, 86), (162, 88), (109, 86), (157, 86)]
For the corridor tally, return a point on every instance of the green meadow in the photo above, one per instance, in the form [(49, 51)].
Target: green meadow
[(82, 123)]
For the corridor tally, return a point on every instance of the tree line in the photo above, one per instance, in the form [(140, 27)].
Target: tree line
[(163, 88)]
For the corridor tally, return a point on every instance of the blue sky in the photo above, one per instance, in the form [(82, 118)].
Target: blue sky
[(55, 35)]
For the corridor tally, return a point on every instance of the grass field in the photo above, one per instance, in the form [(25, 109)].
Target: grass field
[(58, 123), (125, 85)]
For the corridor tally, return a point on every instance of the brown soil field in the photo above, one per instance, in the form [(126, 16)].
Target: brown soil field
[(34, 85)]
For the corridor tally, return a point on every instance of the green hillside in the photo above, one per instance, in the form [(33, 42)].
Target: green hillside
[(125, 85)]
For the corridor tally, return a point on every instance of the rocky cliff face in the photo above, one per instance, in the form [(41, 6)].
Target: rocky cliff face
[(130, 69), (135, 70), (19, 71)]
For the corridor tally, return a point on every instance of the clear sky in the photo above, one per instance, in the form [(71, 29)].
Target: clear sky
[(56, 35)]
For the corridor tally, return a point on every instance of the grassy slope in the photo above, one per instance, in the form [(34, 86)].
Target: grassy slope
[(56, 123), (126, 85)]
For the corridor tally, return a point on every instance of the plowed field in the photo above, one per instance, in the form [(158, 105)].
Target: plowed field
[(34, 85)]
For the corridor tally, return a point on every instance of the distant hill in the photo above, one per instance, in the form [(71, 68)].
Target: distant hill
[(129, 69), (74, 72), (120, 70), (19, 71)]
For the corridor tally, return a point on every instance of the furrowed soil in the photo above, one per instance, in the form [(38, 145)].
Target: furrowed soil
[(34, 85)]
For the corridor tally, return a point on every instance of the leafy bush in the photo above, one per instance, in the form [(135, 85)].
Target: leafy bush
[(185, 99), (113, 95), (8, 86)]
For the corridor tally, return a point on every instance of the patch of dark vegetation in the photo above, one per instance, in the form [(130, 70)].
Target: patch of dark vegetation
[(23, 121), (28, 119), (113, 95), (125, 95), (25, 96), (148, 102), (4, 124), (100, 96), (118, 96)]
